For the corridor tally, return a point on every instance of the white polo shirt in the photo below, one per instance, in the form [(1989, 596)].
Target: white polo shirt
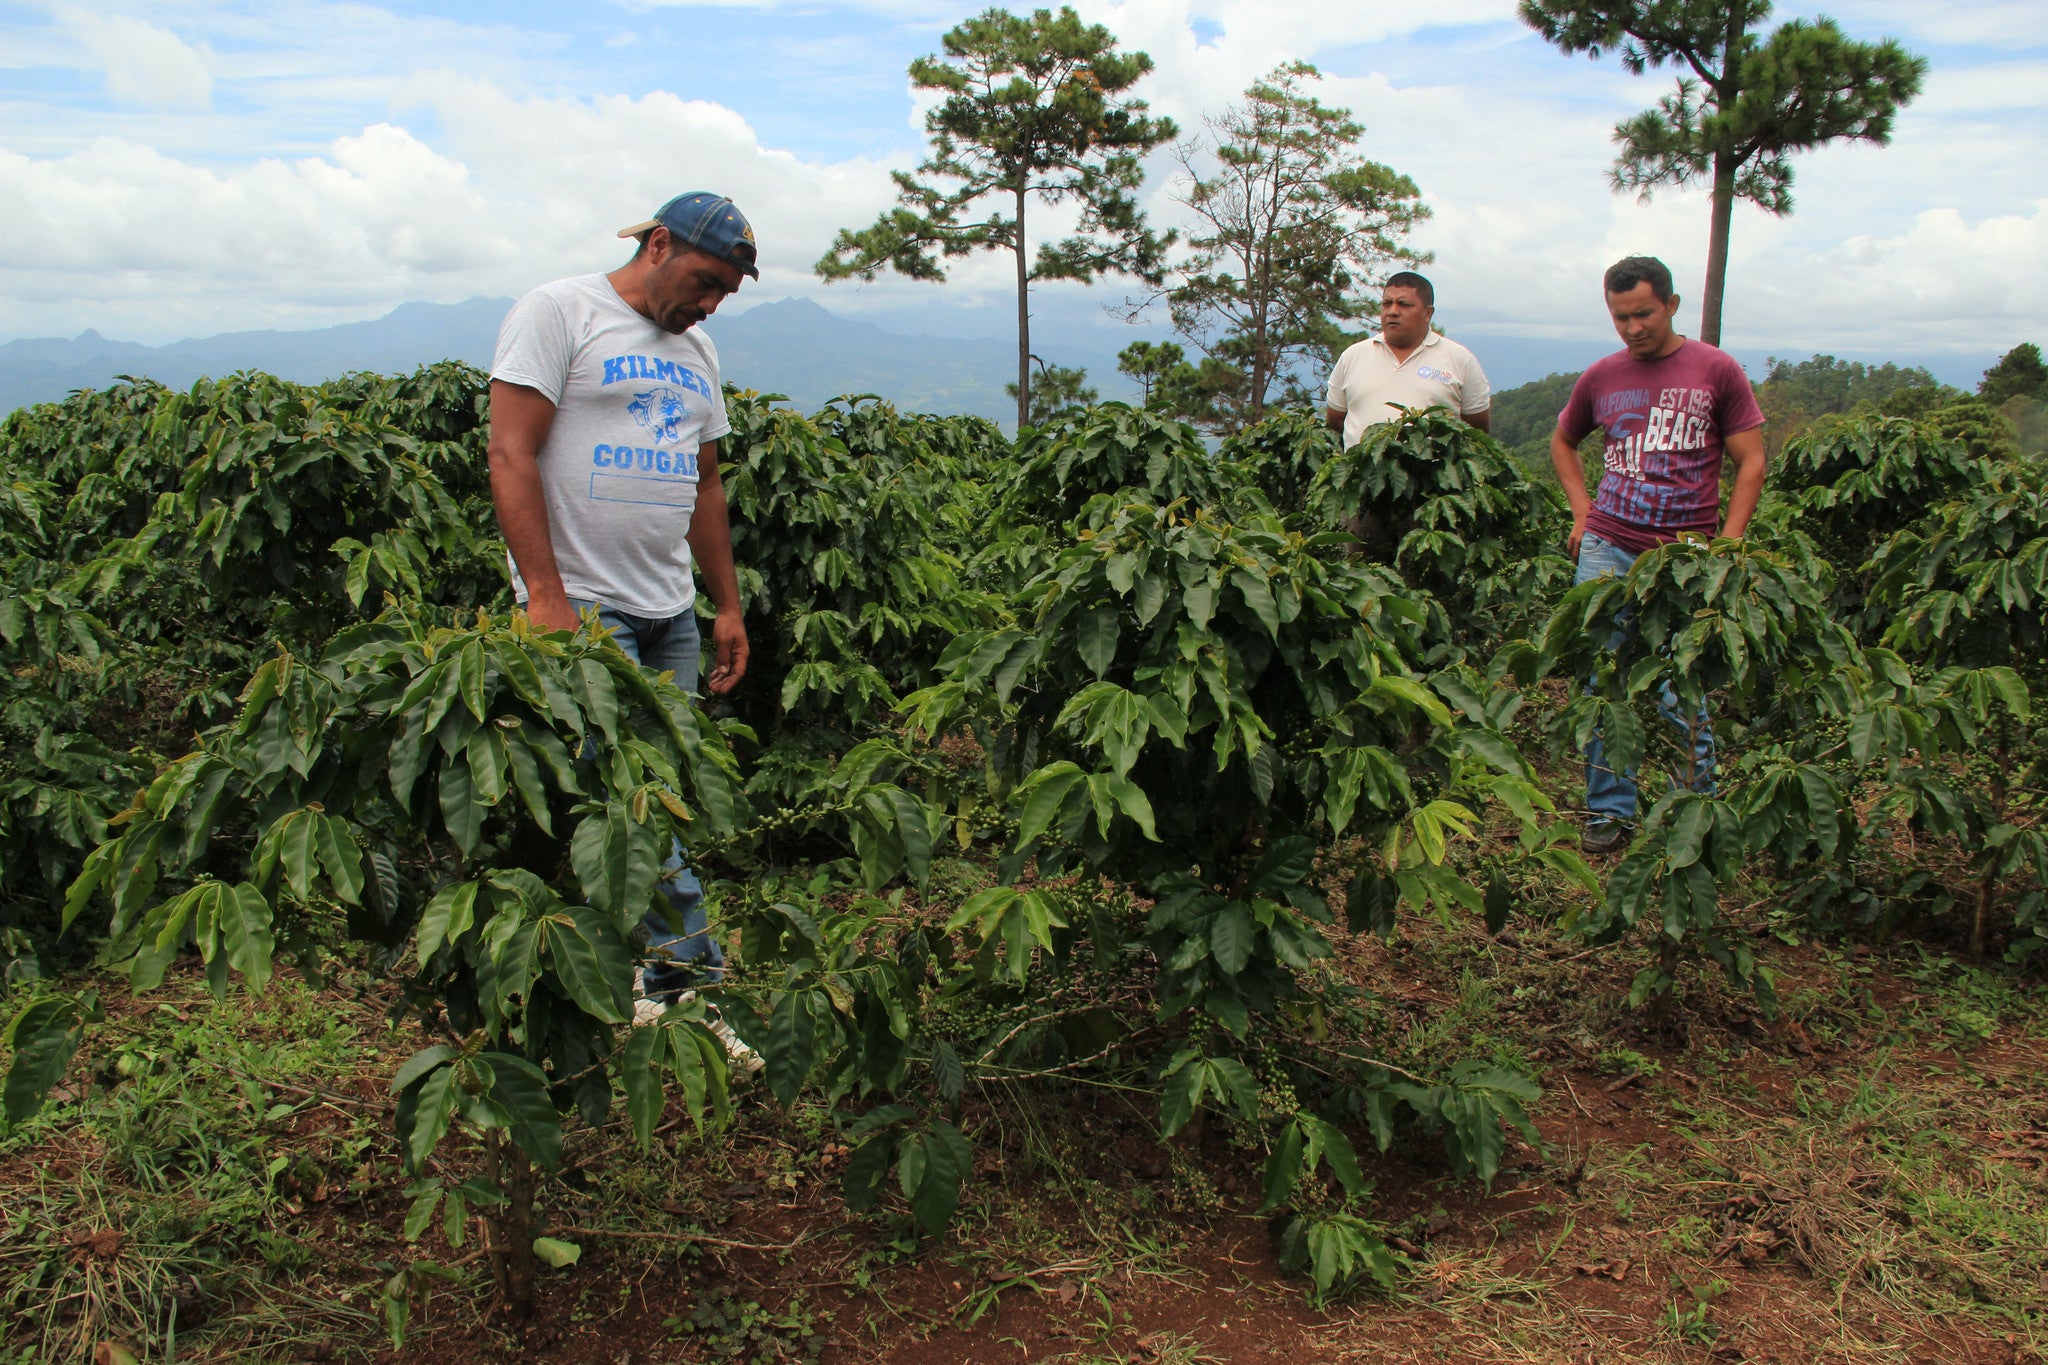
[(1368, 381)]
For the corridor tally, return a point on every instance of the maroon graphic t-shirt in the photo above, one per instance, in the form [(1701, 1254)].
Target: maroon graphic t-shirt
[(1665, 422)]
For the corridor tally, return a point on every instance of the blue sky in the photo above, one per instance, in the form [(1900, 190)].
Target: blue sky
[(191, 166)]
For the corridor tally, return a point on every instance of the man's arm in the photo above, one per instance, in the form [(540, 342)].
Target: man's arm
[(1571, 476), (1333, 418), (1746, 448), (520, 421), (1475, 395), (711, 549)]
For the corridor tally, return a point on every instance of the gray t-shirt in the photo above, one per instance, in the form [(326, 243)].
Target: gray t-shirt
[(619, 469)]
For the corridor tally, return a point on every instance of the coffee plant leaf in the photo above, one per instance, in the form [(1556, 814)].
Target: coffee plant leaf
[(44, 1035)]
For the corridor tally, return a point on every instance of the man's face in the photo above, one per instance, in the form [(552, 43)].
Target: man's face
[(1642, 320), (1404, 317), (685, 286)]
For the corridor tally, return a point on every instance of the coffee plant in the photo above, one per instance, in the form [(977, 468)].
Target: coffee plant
[(1844, 482), (1281, 457), (1966, 582), (491, 803), (1174, 721), (1064, 464), (1204, 709), (1448, 506), (1689, 621)]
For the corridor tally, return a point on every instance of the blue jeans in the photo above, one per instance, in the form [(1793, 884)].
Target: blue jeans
[(1611, 795), (677, 961)]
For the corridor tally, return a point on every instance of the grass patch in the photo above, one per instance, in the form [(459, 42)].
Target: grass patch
[(1865, 1179), (177, 1192)]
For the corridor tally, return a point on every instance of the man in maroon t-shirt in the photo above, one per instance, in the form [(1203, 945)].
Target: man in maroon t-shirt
[(1670, 408)]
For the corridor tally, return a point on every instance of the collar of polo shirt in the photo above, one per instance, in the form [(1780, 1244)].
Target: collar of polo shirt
[(1432, 339)]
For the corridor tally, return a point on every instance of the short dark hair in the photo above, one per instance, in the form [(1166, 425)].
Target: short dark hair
[(1630, 271), (1408, 279)]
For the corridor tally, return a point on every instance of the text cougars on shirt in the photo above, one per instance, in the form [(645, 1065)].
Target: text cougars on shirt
[(659, 408)]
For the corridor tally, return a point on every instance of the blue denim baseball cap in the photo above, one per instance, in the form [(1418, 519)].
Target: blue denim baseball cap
[(707, 222)]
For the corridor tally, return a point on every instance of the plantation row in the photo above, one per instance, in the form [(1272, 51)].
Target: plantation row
[(1161, 722)]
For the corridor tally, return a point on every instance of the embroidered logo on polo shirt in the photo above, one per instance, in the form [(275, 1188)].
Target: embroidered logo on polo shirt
[(1429, 372)]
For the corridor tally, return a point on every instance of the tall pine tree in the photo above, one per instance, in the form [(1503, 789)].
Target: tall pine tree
[(1744, 102), (1034, 109)]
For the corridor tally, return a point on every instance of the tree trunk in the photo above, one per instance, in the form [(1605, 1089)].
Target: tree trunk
[(1023, 321), (1262, 309), (510, 1225), (1265, 364), (1261, 380), (1726, 91), (1717, 248), (1980, 920), (1662, 1004), (1987, 886)]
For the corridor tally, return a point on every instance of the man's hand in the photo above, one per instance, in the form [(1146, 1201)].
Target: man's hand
[(729, 651), (1746, 449), (1571, 477), (555, 614), (520, 421), (711, 547)]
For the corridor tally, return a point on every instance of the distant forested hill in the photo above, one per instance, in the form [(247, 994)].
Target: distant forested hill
[(1527, 413)]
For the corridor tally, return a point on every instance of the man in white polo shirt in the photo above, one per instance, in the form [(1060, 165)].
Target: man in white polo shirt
[(1408, 364)]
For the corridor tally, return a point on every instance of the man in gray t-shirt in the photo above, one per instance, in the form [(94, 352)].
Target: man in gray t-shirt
[(606, 412)]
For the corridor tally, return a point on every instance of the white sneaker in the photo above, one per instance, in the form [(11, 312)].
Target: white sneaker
[(647, 1011), (744, 1056)]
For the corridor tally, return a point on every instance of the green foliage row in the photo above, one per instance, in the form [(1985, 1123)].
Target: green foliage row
[(1170, 699)]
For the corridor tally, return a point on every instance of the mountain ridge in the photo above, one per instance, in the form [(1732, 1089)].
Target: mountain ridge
[(792, 346)]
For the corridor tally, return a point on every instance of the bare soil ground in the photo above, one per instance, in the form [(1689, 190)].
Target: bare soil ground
[(1862, 1180)]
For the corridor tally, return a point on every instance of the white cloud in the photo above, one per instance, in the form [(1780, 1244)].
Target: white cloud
[(146, 245), (144, 64), (386, 181), (1305, 26), (939, 11), (2008, 25), (154, 244), (1511, 144), (1946, 283), (613, 160), (1257, 34), (1991, 87)]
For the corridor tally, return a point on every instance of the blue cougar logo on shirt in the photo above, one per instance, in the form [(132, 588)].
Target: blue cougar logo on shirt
[(662, 411)]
